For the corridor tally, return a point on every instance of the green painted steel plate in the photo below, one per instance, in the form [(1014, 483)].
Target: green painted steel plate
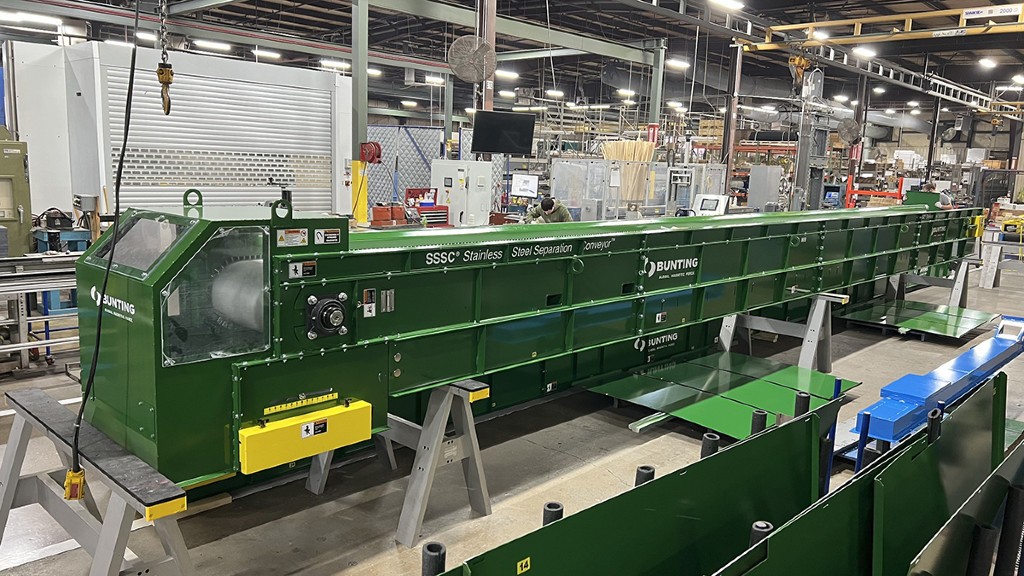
[(740, 364), (907, 315), (816, 383), (917, 494), (630, 387), (771, 397), (700, 377), (722, 415)]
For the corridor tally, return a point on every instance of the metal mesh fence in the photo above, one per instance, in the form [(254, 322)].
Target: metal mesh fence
[(414, 146)]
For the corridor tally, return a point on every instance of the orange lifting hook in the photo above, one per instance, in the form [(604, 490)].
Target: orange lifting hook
[(165, 74)]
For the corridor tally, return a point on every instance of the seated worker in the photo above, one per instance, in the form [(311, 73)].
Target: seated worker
[(550, 210), (945, 200)]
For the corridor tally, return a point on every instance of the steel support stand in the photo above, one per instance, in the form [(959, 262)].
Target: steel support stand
[(897, 288), (816, 350), (106, 539), (319, 468), (434, 450)]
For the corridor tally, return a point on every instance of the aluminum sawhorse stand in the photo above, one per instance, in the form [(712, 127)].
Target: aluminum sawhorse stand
[(816, 350), (434, 449), (135, 489), (897, 287)]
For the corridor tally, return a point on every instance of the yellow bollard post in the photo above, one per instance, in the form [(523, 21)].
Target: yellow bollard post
[(360, 192)]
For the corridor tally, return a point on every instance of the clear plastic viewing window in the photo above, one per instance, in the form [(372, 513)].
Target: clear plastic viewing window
[(142, 240), (218, 305)]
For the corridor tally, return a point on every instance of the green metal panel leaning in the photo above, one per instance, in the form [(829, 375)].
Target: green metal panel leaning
[(225, 319)]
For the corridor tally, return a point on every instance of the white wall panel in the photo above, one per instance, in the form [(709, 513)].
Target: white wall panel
[(42, 118)]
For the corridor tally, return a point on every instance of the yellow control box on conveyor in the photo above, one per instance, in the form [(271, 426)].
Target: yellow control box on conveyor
[(298, 437)]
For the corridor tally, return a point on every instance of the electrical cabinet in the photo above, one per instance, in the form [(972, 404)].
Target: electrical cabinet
[(466, 187), (15, 201), (764, 185)]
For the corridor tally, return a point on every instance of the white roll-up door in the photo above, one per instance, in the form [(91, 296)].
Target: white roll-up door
[(225, 137)]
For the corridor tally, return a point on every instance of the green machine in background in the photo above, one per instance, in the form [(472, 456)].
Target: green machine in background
[(15, 199), (239, 339)]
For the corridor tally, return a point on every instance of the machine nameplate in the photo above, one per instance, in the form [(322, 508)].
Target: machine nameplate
[(459, 257), (548, 250), (299, 404), (600, 245), (292, 237)]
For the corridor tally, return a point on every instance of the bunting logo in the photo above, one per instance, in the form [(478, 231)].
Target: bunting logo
[(679, 264), (113, 306)]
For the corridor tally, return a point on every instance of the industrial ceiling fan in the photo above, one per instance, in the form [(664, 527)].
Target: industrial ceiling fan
[(849, 131), (472, 59)]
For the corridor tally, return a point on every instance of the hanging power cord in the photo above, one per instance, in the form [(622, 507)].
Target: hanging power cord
[(74, 482)]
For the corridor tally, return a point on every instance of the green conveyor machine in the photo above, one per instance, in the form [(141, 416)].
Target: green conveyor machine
[(242, 339)]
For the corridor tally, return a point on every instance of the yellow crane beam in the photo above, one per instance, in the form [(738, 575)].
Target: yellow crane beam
[(910, 26)]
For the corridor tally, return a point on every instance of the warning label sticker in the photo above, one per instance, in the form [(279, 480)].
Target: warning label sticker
[(327, 236), (369, 303), (302, 270), (292, 237), (310, 429)]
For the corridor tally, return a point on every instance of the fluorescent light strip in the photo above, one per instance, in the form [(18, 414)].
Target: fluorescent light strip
[(212, 45)]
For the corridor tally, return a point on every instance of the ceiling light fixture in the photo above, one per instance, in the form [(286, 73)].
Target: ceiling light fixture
[(267, 54), (147, 36), (506, 74), (506, 94), (1018, 78), (409, 103), (628, 102), (212, 45), (865, 52), (674, 104), (878, 90), (841, 98), (677, 63), (913, 103), (119, 43), (890, 111), (819, 35), (915, 112), (373, 72), (27, 18), (625, 92), (855, 103), (339, 64), (728, 4), (768, 108), (987, 63), (554, 93), (944, 109), (434, 80), (470, 110)]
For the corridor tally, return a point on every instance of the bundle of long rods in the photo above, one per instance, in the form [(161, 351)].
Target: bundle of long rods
[(637, 156)]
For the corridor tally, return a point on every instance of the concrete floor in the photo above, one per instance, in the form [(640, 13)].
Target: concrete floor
[(575, 450)]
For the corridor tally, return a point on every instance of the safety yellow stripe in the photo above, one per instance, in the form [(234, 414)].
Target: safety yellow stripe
[(299, 404), (165, 509), (480, 394)]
